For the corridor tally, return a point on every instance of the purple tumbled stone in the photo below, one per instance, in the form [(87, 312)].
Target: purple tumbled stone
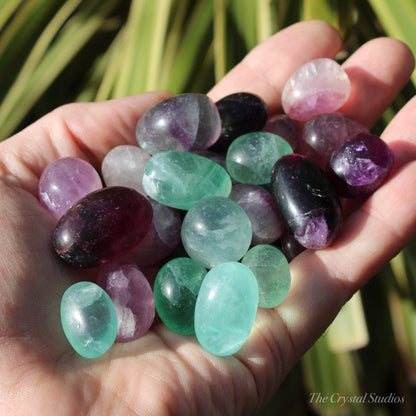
[(283, 126), (360, 165), (132, 296), (261, 208), (319, 86), (289, 245), (183, 122), (64, 182), (322, 134), (162, 238)]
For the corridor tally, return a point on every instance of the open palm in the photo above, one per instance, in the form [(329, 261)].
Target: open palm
[(163, 372)]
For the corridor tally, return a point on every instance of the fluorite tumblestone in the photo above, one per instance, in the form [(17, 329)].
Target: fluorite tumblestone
[(88, 319), (132, 296), (64, 182), (216, 230), (319, 86), (175, 290), (180, 179), (360, 165), (183, 122), (225, 308), (307, 201), (251, 157), (282, 125), (271, 269), (102, 226)]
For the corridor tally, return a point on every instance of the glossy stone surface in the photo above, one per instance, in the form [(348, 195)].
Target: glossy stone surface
[(271, 269), (180, 179), (240, 113), (225, 308), (88, 319), (162, 238), (282, 125), (176, 289), (183, 122), (290, 247), (102, 226), (322, 134), (261, 208), (251, 157), (319, 86), (124, 165), (132, 296), (360, 165), (307, 201), (216, 230), (64, 182)]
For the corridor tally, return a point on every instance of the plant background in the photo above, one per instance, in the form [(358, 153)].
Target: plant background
[(53, 52)]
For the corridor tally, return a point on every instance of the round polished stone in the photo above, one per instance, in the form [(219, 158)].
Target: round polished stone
[(176, 289), (251, 157), (322, 134), (183, 122), (132, 296), (282, 125), (319, 86), (103, 226), (261, 208), (89, 319), (64, 182), (180, 179), (225, 308), (124, 165), (307, 201), (216, 230), (271, 269), (360, 165)]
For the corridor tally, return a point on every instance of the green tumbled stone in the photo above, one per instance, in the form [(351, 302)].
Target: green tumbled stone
[(175, 291), (271, 269), (180, 179), (225, 308), (251, 157), (88, 319)]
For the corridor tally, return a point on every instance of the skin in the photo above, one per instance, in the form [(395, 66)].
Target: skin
[(163, 372)]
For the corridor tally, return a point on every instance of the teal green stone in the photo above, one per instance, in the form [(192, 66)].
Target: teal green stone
[(216, 230), (225, 308), (271, 269), (251, 157), (180, 179), (89, 319), (175, 291)]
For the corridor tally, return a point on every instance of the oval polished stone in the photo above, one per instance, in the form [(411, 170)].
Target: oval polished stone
[(132, 296), (225, 308), (180, 179), (102, 226), (307, 201), (176, 289), (319, 86), (251, 157), (282, 125), (216, 230), (88, 319), (64, 182), (183, 122), (271, 269)]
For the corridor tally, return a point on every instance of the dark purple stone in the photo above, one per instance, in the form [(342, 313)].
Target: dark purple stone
[(283, 126), (240, 113), (307, 201), (360, 165), (102, 226), (289, 245), (322, 134)]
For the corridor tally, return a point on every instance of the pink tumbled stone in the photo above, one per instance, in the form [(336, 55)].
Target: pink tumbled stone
[(132, 296), (319, 86), (64, 182)]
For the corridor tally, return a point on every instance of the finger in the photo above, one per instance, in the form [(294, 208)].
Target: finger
[(267, 67), (377, 71)]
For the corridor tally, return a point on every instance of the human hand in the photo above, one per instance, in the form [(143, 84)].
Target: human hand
[(164, 372)]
